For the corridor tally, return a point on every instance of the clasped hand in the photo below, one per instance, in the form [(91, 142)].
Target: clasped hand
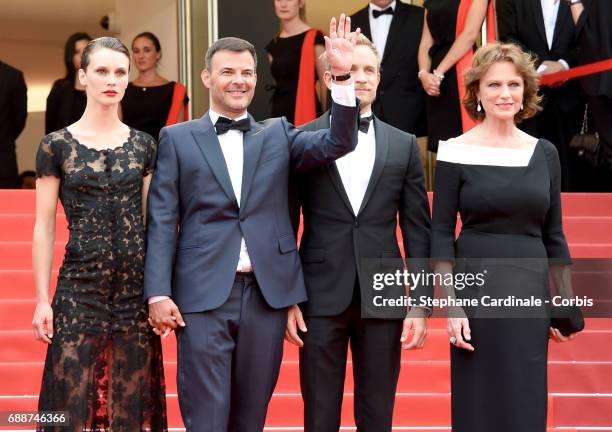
[(164, 316)]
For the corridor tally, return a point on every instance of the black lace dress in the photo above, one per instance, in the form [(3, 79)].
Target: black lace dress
[(105, 365)]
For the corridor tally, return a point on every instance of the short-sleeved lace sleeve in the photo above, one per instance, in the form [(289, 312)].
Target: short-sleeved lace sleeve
[(47, 158), (151, 146)]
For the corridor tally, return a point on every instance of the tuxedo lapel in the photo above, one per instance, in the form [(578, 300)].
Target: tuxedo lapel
[(382, 149), (253, 143), (208, 143), (562, 16), (361, 19), (394, 30), (332, 168), (539, 19)]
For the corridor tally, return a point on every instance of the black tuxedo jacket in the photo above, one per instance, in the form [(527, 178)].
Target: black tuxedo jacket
[(13, 114), (400, 99), (337, 243), (522, 22)]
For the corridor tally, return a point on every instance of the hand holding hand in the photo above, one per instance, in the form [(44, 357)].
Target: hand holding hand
[(431, 83), (164, 316)]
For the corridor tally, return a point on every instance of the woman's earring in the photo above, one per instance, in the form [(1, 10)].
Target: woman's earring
[(479, 107), (522, 107)]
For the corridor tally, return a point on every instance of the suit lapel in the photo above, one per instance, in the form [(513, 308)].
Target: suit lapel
[(206, 139), (562, 15), (365, 22), (382, 149), (332, 168), (253, 143), (394, 29), (539, 20)]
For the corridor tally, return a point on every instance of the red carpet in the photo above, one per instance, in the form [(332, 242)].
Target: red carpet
[(580, 372)]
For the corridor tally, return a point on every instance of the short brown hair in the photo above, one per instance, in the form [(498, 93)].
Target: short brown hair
[(487, 56), (361, 40), (230, 44)]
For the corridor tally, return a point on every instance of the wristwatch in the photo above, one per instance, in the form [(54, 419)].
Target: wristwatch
[(340, 78)]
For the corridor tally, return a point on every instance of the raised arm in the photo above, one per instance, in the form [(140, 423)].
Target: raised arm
[(309, 150)]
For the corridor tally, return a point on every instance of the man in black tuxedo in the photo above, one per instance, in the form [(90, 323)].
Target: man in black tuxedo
[(350, 210), (545, 29), (13, 114), (221, 264), (395, 28)]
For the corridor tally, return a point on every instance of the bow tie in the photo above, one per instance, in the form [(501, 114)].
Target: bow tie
[(224, 124), (364, 124), (376, 13)]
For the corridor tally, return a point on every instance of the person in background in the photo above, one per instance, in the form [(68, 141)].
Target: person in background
[(295, 65), (545, 29), (13, 114), (151, 101), (395, 28), (506, 187), (440, 50), (104, 364), (594, 34), (66, 101)]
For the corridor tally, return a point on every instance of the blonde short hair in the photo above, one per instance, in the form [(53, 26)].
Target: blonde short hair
[(487, 56)]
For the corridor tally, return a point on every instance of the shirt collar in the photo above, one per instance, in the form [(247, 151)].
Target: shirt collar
[(374, 7), (214, 116)]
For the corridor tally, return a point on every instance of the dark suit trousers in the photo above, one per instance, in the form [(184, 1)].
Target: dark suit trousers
[(375, 349), (228, 361)]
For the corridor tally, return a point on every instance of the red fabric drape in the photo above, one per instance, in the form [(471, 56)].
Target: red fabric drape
[(466, 61), (305, 101), (178, 99)]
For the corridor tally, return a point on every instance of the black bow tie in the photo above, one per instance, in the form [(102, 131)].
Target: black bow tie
[(224, 124), (364, 124), (376, 13)]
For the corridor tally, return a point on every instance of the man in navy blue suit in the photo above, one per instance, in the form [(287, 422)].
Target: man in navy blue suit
[(222, 265)]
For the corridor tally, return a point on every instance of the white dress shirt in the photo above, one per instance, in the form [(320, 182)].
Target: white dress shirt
[(379, 27), (231, 144), (356, 167), (550, 10)]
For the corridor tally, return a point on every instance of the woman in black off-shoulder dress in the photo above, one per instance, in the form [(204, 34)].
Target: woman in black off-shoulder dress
[(104, 363), (505, 185)]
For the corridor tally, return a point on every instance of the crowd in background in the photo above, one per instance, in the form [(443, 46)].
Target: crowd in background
[(420, 49)]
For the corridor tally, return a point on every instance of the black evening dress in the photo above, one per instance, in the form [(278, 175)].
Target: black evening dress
[(105, 365), (510, 208), (443, 111), (285, 68), (65, 105), (146, 108)]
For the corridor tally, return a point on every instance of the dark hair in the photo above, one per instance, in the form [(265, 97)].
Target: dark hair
[(69, 50), (230, 44), (149, 36), (108, 42)]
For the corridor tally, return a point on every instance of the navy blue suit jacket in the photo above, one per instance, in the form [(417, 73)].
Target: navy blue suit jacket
[(195, 224)]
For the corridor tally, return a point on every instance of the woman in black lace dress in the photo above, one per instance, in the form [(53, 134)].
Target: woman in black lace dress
[(104, 364)]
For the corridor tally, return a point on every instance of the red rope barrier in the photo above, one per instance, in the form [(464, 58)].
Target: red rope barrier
[(577, 72)]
